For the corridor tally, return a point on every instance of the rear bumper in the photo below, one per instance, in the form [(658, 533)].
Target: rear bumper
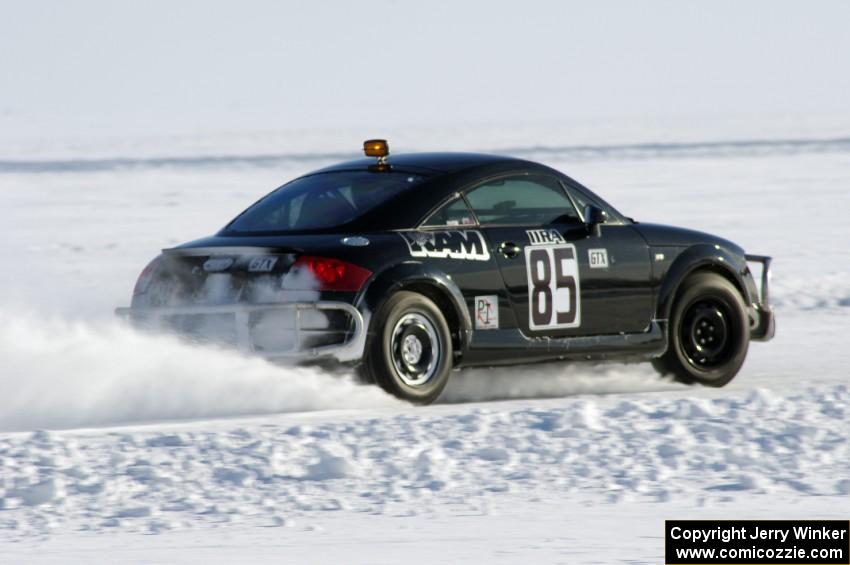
[(237, 325), (763, 326)]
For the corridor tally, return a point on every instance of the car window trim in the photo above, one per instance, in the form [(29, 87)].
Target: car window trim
[(446, 202), (616, 218), (580, 213)]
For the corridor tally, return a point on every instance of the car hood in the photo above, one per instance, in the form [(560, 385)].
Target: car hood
[(658, 235)]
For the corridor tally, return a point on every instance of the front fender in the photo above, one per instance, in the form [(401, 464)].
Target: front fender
[(702, 257), (411, 274)]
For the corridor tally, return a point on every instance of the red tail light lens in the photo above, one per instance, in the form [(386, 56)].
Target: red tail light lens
[(327, 274), (146, 276)]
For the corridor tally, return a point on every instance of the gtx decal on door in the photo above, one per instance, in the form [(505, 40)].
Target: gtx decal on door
[(597, 258), (554, 294)]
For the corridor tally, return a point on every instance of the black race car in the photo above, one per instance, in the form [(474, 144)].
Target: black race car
[(412, 266)]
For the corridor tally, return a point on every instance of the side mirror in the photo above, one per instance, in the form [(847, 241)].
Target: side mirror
[(594, 216)]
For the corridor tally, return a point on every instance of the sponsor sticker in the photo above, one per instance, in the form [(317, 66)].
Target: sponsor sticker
[(554, 294), (262, 264), (487, 312), (544, 237), (597, 258), (217, 264), (468, 245)]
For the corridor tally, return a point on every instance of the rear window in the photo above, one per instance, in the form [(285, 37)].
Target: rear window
[(323, 201)]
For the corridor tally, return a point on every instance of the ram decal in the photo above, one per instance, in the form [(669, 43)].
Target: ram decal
[(460, 244)]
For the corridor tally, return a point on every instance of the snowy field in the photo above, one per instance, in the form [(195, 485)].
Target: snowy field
[(120, 447)]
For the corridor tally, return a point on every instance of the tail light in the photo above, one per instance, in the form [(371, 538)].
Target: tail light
[(326, 274), (146, 276)]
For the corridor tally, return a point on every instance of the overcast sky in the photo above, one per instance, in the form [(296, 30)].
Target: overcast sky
[(168, 67)]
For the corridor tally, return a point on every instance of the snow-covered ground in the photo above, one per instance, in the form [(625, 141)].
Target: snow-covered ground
[(162, 452)]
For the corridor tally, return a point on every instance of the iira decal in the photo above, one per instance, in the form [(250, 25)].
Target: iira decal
[(543, 237)]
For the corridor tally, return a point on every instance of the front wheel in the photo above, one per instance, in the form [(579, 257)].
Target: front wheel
[(708, 335), (409, 354)]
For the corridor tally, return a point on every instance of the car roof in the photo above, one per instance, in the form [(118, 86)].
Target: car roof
[(444, 162), (444, 175)]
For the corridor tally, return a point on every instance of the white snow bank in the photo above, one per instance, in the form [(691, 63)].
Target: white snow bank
[(57, 374), (828, 291), (596, 451)]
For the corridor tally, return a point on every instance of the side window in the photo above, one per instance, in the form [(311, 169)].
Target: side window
[(455, 213), (582, 201), (523, 200)]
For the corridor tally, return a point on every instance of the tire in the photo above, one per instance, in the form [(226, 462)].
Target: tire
[(409, 352), (708, 333)]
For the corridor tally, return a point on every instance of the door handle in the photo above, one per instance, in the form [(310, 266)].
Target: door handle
[(509, 249)]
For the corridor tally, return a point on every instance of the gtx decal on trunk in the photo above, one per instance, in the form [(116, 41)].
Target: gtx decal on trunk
[(262, 264)]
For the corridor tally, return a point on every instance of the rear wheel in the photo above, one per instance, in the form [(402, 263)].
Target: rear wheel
[(708, 335), (409, 354)]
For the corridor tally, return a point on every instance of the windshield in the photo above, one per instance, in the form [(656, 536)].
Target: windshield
[(322, 201)]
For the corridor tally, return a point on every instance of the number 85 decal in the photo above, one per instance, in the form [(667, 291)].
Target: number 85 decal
[(553, 287)]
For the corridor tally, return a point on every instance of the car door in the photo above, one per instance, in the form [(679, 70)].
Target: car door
[(451, 239), (560, 279), (616, 266)]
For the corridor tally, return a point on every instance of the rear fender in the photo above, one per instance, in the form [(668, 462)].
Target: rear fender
[(423, 278)]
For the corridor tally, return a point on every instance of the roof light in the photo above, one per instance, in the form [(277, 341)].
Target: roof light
[(377, 148)]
